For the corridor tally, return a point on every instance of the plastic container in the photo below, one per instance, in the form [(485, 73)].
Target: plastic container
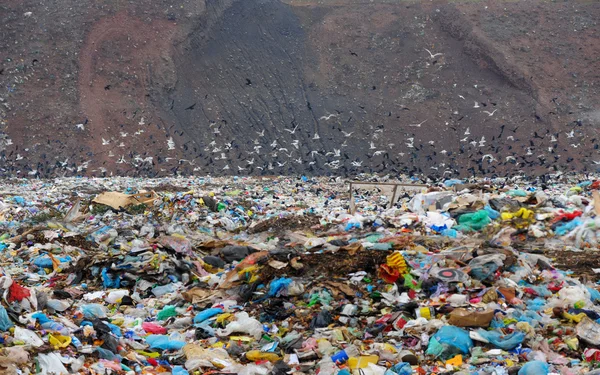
[(343, 355)]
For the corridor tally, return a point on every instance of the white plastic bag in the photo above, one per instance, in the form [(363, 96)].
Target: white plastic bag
[(51, 364), (28, 337), (243, 324)]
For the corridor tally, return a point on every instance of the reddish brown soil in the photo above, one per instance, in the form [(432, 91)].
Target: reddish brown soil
[(227, 70)]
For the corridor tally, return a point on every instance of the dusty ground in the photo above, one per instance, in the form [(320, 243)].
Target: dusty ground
[(299, 86), (580, 263)]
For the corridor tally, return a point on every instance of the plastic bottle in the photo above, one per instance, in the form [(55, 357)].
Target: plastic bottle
[(257, 355), (56, 327), (76, 343), (343, 355)]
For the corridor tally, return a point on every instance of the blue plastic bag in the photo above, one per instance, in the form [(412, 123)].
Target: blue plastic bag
[(40, 317), (502, 341), (5, 323), (536, 304), (207, 314), (452, 182), (93, 311), (107, 354), (110, 281), (401, 368), (114, 329), (535, 368), (178, 370), (449, 341), (452, 233), (565, 228), (163, 342), (279, 285), (594, 294), (491, 212)]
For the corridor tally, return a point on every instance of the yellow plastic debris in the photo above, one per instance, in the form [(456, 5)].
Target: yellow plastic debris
[(397, 262), (456, 361), (362, 361), (59, 341)]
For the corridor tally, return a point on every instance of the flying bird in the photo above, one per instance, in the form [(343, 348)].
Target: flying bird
[(291, 131), (431, 55), (419, 124), (327, 117)]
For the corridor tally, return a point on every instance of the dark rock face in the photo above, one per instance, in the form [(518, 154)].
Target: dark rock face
[(242, 85), (299, 86)]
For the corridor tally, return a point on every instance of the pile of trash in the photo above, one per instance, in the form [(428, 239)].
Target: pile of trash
[(259, 276)]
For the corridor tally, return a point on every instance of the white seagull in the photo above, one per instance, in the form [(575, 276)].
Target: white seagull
[(291, 131), (419, 124), (432, 55)]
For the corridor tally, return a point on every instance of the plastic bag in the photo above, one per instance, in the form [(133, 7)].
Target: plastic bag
[(502, 341), (177, 243), (154, 328), (164, 342), (28, 337), (166, 312), (484, 266), (401, 368), (243, 324), (93, 311), (110, 281), (5, 322), (448, 341), (207, 314), (17, 292), (51, 364), (116, 296), (58, 341), (178, 370), (197, 356), (279, 286), (473, 221), (589, 331), (535, 368)]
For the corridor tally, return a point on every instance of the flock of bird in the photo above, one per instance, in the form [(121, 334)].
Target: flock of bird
[(363, 149)]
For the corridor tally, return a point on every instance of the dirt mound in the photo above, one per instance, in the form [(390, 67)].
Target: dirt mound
[(287, 223), (299, 86)]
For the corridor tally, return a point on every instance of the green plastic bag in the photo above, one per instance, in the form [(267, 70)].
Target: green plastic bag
[(166, 313)]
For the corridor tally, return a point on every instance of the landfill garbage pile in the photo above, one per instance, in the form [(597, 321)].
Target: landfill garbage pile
[(275, 276)]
